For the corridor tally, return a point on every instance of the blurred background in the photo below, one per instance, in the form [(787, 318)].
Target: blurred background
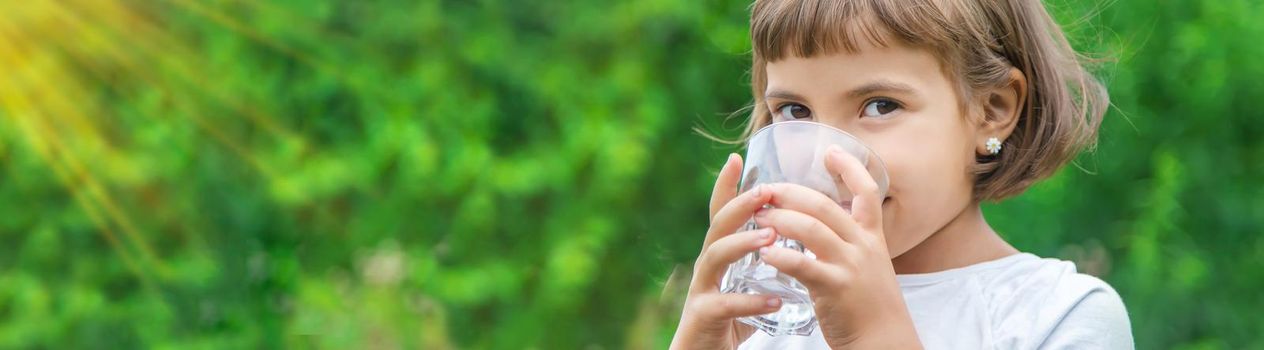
[(524, 174)]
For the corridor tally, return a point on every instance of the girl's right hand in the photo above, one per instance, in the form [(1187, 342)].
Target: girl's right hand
[(707, 321)]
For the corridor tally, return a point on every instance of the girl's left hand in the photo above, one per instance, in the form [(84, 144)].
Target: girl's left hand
[(852, 282)]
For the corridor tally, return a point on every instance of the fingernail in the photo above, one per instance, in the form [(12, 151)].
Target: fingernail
[(761, 212), (765, 252), (774, 302), (834, 149), (732, 158), (765, 233), (755, 192)]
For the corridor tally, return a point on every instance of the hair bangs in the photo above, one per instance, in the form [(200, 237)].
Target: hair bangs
[(804, 28)]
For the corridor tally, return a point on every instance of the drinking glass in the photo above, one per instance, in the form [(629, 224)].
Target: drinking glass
[(792, 152)]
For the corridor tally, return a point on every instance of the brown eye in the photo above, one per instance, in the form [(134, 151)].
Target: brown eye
[(795, 111), (880, 108)]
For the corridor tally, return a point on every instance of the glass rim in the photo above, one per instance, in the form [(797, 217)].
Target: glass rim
[(764, 129)]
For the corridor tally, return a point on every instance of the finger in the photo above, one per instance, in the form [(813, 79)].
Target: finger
[(726, 183), (716, 258), (812, 273), (726, 306), (814, 234), (734, 214), (815, 204), (867, 201)]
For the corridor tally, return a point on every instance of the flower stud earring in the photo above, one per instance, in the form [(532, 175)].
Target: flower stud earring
[(993, 145)]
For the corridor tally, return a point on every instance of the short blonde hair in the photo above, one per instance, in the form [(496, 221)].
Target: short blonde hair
[(977, 42)]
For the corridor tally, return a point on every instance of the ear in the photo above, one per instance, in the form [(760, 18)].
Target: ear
[(1002, 107)]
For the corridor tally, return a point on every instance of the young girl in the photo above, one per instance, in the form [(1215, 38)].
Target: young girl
[(965, 101)]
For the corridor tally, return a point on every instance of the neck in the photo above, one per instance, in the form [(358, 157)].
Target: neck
[(966, 240)]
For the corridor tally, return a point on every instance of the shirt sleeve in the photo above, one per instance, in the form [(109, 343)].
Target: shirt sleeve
[(1098, 321)]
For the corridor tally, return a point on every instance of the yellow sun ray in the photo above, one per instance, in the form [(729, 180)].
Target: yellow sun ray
[(18, 110), (168, 54), (39, 86), (240, 28)]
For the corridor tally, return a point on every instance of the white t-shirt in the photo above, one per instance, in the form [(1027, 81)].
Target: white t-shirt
[(1016, 302)]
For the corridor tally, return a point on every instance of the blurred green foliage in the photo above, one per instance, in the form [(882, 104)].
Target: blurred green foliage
[(522, 174)]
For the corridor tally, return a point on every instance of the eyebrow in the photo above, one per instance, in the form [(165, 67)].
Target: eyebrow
[(861, 91)]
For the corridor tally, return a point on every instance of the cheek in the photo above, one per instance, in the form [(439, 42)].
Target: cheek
[(929, 174), (930, 181), (926, 156)]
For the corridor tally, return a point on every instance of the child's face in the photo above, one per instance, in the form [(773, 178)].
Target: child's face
[(898, 101)]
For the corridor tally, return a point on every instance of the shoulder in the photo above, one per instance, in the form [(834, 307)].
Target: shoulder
[(1094, 318), (1046, 303)]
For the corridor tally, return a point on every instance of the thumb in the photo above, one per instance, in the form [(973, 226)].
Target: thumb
[(866, 202)]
